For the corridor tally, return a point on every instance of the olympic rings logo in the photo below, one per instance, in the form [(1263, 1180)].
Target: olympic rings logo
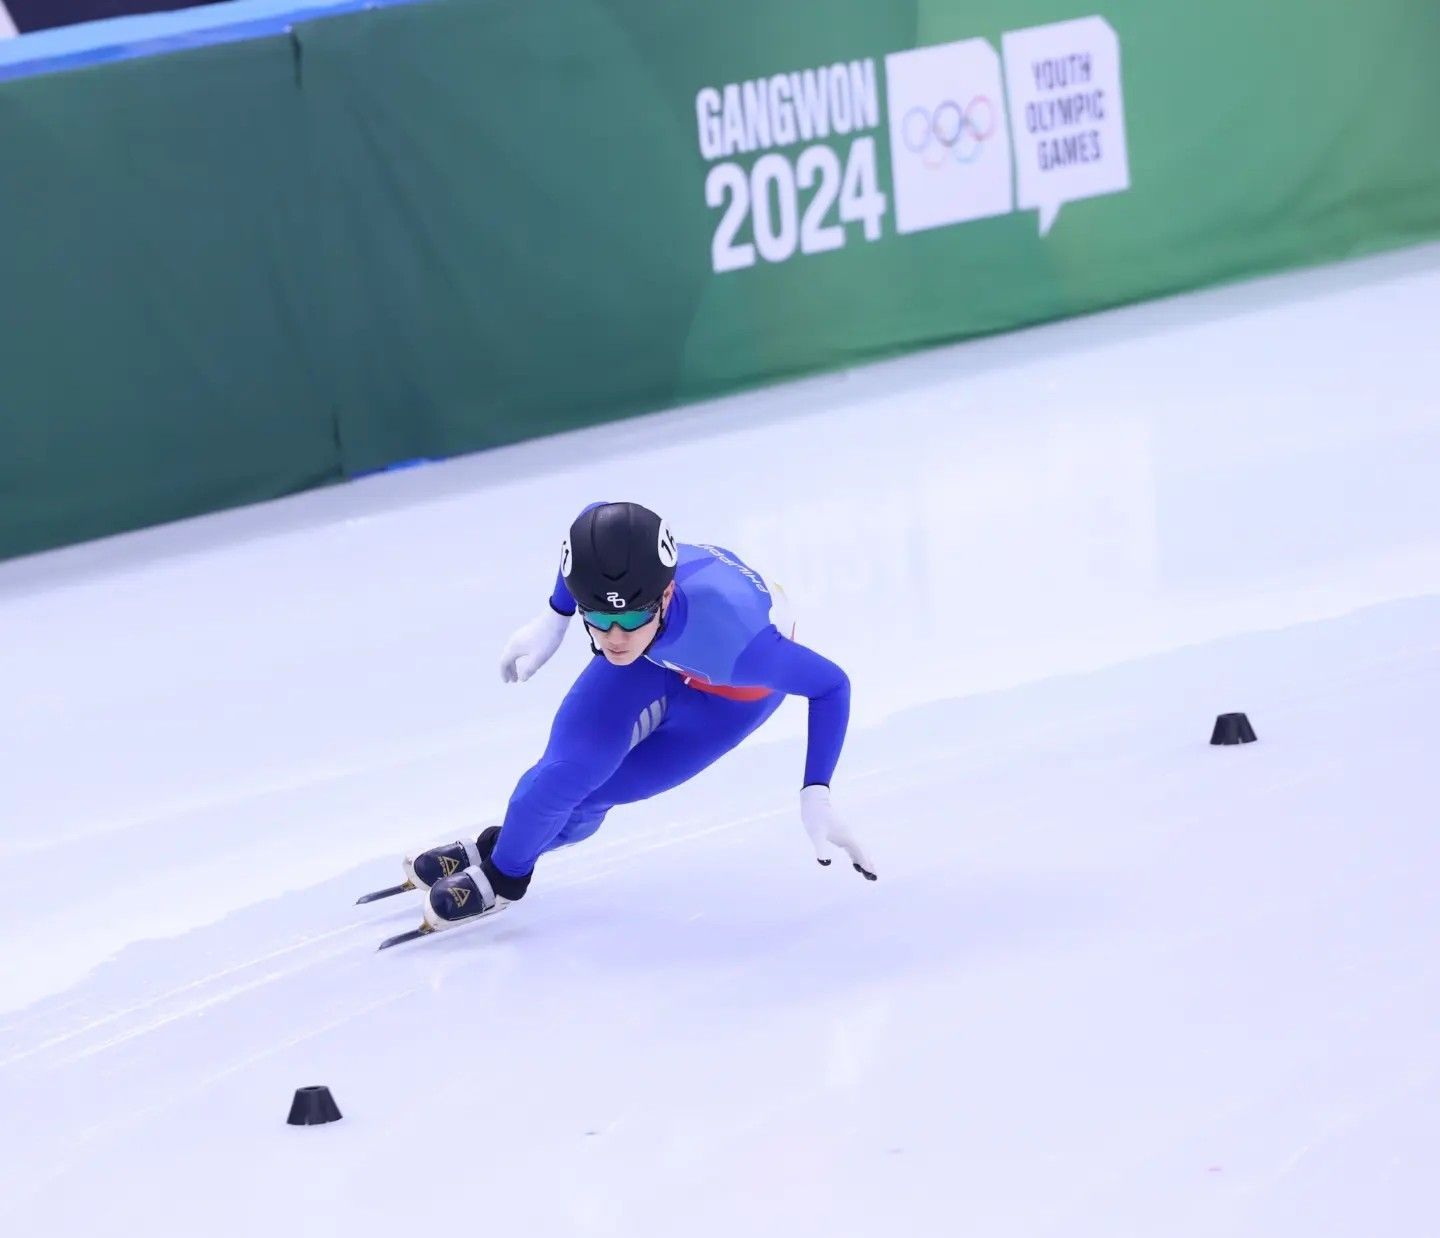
[(950, 131)]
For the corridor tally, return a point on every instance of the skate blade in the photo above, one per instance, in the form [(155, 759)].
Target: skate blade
[(427, 929), (423, 931), (407, 884)]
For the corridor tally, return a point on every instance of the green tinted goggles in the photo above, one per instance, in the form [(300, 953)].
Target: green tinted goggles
[(627, 620)]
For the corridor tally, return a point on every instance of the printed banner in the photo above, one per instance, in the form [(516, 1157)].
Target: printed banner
[(416, 231), (949, 135), (1064, 89), (967, 141)]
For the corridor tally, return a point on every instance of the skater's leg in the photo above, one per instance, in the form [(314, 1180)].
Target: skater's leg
[(606, 712), (696, 731)]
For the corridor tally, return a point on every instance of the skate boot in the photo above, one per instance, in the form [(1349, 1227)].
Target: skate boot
[(425, 869), (458, 899), (465, 895)]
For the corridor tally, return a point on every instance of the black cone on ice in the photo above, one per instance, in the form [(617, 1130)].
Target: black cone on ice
[(1233, 729), (312, 1107)]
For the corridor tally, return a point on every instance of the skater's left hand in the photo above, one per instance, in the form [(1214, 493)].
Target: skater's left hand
[(824, 826)]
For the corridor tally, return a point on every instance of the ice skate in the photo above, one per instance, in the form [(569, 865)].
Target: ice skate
[(423, 870), (461, 898)]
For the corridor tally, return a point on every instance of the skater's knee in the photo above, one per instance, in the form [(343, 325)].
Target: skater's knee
[(584, 821)]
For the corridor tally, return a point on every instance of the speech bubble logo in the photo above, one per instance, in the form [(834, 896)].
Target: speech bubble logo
[(949, 145), (1067, 114)]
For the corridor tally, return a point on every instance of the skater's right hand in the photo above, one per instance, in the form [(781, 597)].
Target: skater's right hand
[(532, 646)]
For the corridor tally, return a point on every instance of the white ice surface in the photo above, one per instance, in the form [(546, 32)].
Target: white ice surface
[(1112, 981)]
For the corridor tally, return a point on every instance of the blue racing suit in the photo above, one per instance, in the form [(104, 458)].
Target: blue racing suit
[(718, 669)]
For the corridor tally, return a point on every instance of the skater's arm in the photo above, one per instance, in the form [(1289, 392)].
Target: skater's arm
[(535, 643), (774, 661), (560, 600)]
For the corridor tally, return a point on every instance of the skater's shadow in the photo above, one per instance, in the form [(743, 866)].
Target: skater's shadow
[(761, 950)]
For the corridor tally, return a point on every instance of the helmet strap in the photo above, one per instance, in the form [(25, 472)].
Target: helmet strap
[(659, 632)]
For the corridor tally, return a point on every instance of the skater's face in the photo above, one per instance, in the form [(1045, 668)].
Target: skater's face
[(621, 647)]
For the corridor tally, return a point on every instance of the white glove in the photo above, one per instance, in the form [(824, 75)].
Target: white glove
[(824, 826), (531, 646)]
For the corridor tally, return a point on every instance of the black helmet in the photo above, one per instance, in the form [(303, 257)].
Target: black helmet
[(619, 556)]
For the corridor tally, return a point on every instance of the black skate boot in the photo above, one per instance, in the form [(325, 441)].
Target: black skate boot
[(470, 893), (459, 899), (425, 869)]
